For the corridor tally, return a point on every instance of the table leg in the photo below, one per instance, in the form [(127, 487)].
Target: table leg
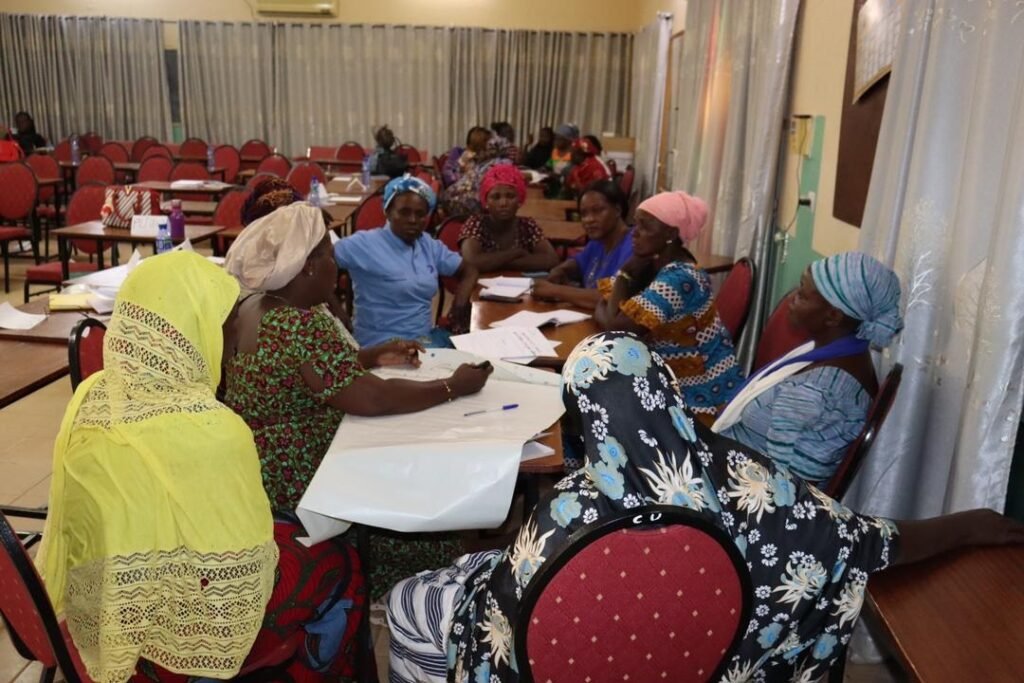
[(62, 250), (99, 254), (366, 668), (115, 257)]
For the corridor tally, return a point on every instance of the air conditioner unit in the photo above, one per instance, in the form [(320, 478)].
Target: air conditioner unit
[(322, 8)]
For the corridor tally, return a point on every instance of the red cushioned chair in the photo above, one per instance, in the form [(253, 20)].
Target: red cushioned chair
[(18, 200), (48, 209), (779, 336), (155, 168), (651, 594), (193, 148), (116, 152), (38, 636), (156, 151), (255, 148), (352, 154), (302, 175), (448, 233), (412, 155), (84, 206), (734, 298), (62, 150), (256, 179), (626, 182), (228, 215), (840, 482), (370, 214), (91, 142), (85, 349), (228, 158), (277, 164), (95, 169), (140, 146), (190, 170)]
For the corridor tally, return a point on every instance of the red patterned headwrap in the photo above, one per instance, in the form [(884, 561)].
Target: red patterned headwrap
[(502, 174)]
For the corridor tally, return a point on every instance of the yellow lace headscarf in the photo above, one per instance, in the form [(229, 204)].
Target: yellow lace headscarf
[(159, 539)]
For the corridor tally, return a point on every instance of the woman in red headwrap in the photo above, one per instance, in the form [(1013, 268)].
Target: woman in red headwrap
[(498, 239), (662, 293), (587, 167)]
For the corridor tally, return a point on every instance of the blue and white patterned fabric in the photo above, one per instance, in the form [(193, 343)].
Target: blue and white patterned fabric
[(864, 289)]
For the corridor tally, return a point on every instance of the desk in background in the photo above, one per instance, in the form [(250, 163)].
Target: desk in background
[(29, 367)]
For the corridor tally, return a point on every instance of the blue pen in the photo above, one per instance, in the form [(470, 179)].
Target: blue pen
[(510, 406)]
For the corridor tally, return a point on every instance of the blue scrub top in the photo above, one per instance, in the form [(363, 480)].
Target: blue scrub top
[(597, 264), (394, 283)]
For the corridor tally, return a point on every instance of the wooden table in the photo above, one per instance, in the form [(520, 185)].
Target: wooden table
[(164, 187), (56, 329), (955, 618), (551, 209), (338, 183), (28, 367), (97, 232), (130, 169), (562, 233), (192, 208)]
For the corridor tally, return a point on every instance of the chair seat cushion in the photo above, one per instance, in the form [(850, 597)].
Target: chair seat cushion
[(8, 234), (52, 273)]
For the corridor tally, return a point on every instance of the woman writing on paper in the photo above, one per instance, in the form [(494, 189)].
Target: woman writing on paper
[(293, 375), (602, 209), (805, 409), (662, 293), (498, 239), (809, 557)]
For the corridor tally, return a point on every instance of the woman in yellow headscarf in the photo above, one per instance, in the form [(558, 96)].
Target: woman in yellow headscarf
[(160, 549)]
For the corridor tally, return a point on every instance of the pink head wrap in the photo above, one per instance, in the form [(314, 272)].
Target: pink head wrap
[(502, 174), (682, 211)]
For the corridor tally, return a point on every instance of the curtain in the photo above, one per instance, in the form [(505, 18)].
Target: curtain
[(650, 72), (82, 74), (227, 81), (731, 81), (329, 83), (946, 210)]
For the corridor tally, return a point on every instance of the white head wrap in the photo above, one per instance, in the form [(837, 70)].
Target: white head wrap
[(271, 251)]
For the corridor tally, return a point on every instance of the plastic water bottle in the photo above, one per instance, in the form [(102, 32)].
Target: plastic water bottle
[(366, 172), (177, 221), (313, 198), (163, 239), (210, 162), (76, 151)]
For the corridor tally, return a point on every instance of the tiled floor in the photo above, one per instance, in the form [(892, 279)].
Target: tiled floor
[(29, 427)]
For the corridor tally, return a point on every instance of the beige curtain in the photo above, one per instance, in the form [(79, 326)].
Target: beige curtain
[(81, 74), (650, 71)]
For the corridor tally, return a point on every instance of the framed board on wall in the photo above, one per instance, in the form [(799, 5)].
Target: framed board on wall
[(861, 116)]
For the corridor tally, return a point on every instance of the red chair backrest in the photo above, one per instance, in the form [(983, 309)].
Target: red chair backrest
[(95, 169), (351, 151), (193, 147), (115, 151), (229, 209), (91, 143), (189, 170), (653, 594), (275, 163), (856, 453), (44, 166), (626, 183), (85, 349), (140, 146), (229, 159), (779, 336), (448, 233), (62, 150), (155, 150), (20, 191), (321, 152), (302, 175), (257, 178), (255, 148), (155, 168), (412, 155), (84, 206), (734, 298), (370, 214)]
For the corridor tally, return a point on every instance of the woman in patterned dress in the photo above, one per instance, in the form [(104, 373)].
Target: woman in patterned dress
[(662, 293), (809, 556)]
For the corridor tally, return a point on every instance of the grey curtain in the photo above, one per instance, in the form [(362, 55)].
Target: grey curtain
[(81, 74), (650, 72), (946, 211)]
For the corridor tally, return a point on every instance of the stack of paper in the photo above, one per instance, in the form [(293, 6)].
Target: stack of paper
[(513, 344), (532, 319), (13, 319), (505, 287)]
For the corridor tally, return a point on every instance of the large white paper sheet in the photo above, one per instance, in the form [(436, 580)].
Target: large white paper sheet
[(533, 319), (13, 319), (514, 344), (436, 470)]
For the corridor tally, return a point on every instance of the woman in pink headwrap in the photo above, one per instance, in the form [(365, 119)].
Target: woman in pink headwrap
[(661, 293), (498, 239)]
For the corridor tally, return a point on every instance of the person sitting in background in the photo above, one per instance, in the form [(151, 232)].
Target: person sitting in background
[(160, 546), (461, 160), (561, 151), (587, 168), (498, 239), (809, 557), (384, 160), (805, 409), (505, 130), (602, 209), (292, 374), (660, 292), (463, 198), (395, 269), (266, 196), (538, 155), (25, 133)]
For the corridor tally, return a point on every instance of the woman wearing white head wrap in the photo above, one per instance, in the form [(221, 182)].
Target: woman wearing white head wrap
[(272, 250)]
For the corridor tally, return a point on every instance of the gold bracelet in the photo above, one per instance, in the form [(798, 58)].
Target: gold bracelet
[(451, 395), (624, 275)]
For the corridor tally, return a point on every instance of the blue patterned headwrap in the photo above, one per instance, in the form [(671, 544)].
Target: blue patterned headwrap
[(864, 289), (408, 183)]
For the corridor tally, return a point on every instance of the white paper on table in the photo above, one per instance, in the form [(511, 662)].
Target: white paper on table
[(109, 279), (522, 283), (184, 246), (347, 199), (13, 319), (146, 226), (440, 363), (533, 319), (532, 450), (504, 291), (187, 184), (516, 344), (216, 260), (101, 304), (436, 470)]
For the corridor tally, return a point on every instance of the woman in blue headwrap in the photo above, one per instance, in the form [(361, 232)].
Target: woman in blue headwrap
[(395, 269), (804, 409)]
